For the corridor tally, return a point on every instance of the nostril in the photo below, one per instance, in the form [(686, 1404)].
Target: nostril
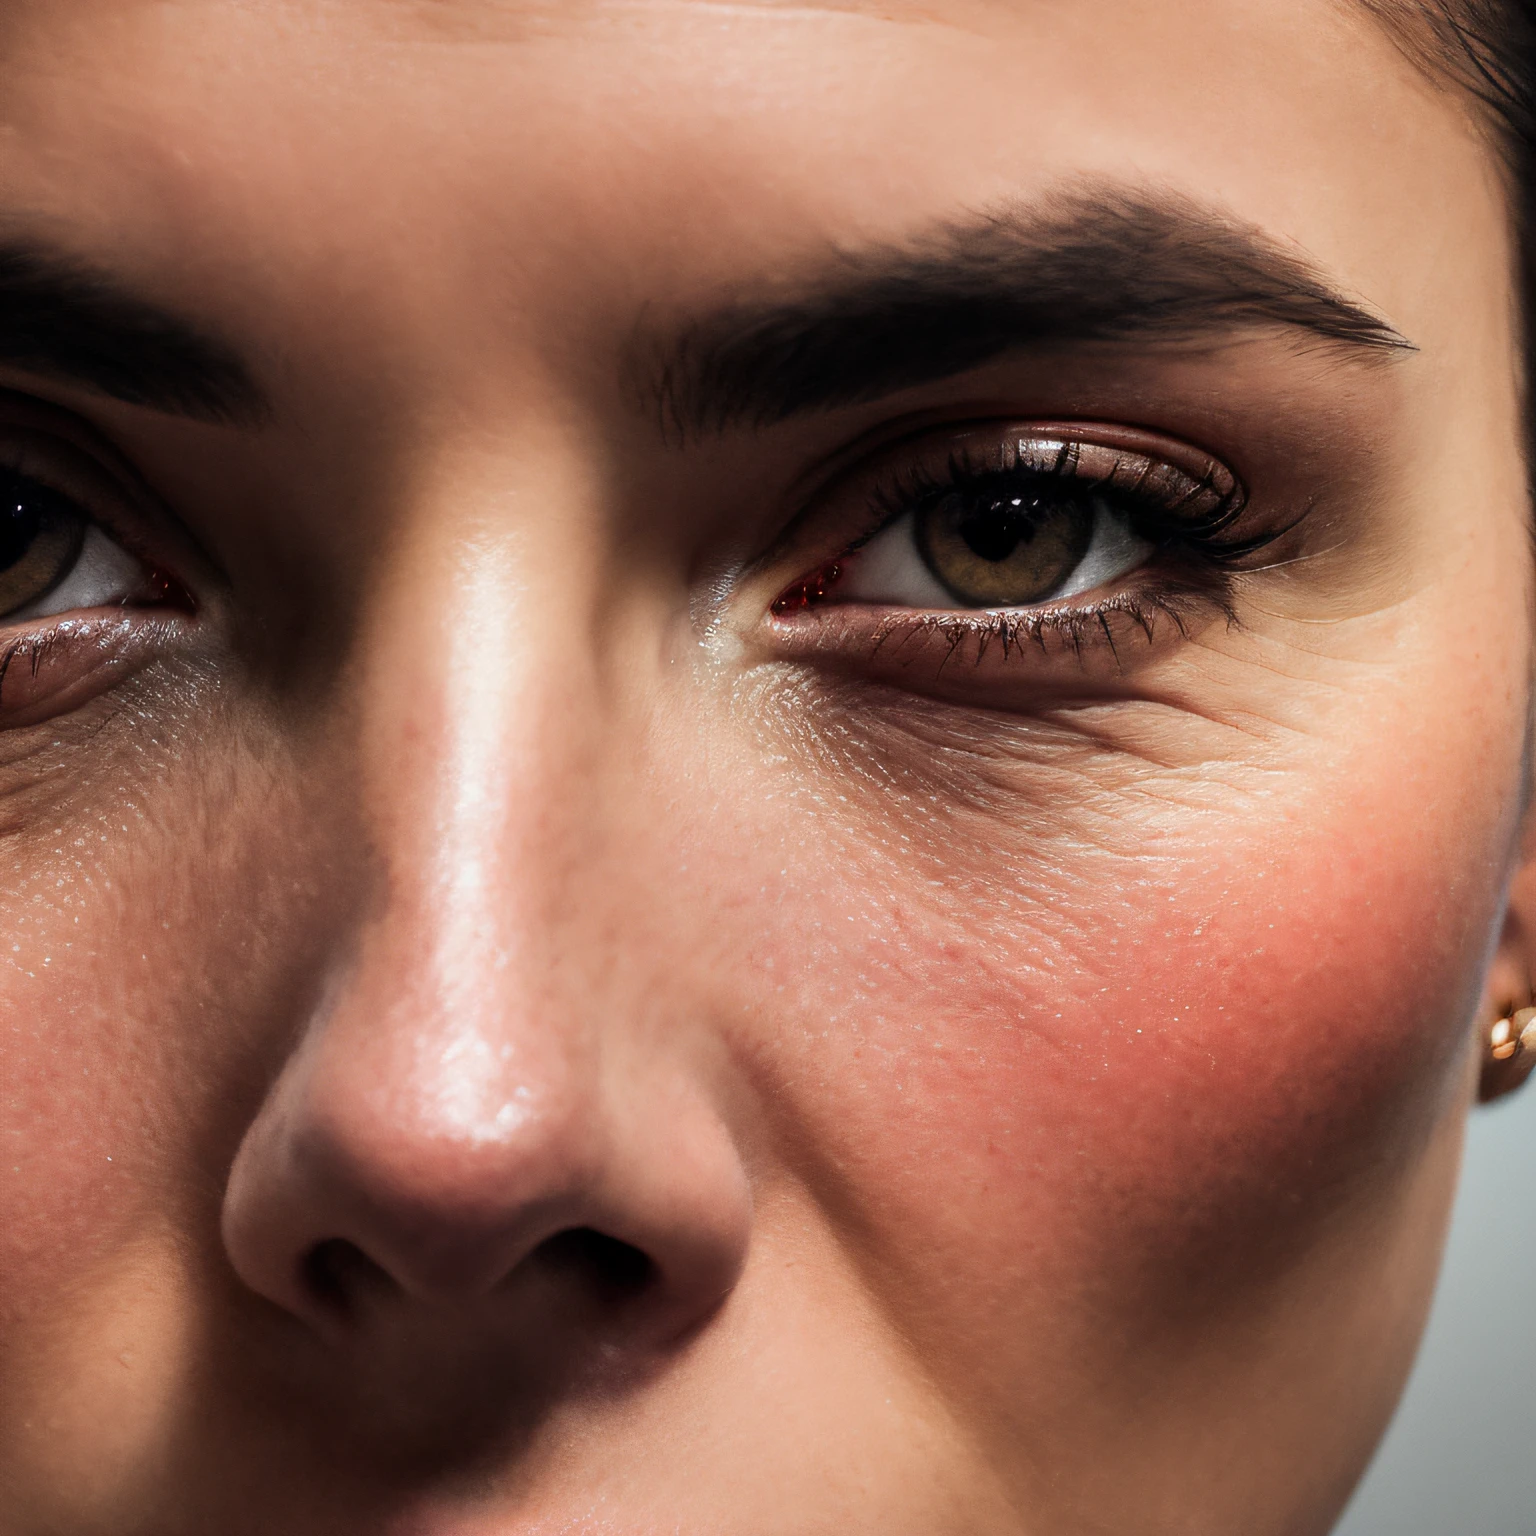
[(339, 1275), (583, 1260), (580, 1263)]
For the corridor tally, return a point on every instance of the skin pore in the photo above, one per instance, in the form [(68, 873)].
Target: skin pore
[(544, 989)]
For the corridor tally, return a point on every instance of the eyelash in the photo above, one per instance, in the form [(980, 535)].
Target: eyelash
[(1197, 556), (1052, 631)]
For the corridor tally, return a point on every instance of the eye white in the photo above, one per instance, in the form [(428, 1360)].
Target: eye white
[(890, 568), (104, 573)]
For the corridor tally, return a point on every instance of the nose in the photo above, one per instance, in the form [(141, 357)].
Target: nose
[(497, 1111), (408, 1160)]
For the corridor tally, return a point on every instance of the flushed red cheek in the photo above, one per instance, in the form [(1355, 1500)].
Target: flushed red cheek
[(1171, 1073)]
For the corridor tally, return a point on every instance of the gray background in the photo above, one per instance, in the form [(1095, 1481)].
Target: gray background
[(1460, 1458)]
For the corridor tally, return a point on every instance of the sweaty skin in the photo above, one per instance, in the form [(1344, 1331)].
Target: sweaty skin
[(505, 1034)]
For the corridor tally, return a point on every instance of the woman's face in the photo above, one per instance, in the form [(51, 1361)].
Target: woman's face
[(776, 789)]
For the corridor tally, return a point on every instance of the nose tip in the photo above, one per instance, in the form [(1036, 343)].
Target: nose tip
[(590, 1193)]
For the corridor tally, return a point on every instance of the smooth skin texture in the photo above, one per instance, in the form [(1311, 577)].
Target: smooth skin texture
[(503, 1032)]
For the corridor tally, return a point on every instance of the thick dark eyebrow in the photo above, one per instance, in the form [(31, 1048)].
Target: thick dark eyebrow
[(1099, 266), (64, 320)]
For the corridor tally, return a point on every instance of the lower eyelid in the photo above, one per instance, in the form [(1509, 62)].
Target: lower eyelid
[(1003, 658), (55, 667)]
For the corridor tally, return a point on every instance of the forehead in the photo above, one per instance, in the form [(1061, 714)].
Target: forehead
[(625, 152), (866, 82), (1202, 53)]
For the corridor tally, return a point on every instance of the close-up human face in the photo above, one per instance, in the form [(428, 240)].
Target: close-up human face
[(759, 761)]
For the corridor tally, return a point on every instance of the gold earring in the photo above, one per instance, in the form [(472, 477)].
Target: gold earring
[(1509, 1053)]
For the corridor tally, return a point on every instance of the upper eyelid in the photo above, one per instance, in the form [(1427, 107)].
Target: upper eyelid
[(75, 476), (1058, 451), (100, 481), (1096, 445)]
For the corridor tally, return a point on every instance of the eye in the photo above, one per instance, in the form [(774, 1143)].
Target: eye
[(998, 543), (1022, 517), (55, 558)]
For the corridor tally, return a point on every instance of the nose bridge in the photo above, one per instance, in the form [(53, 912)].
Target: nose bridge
[(475, 747), (453, 1072)]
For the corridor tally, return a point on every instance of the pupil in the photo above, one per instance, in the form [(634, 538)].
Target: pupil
[(22, 519), (995, 530)]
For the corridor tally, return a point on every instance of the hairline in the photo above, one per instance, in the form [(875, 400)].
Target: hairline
[(1449, 43)]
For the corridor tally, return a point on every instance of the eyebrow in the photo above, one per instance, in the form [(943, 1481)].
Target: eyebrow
[(63, 319), (1104, 265)]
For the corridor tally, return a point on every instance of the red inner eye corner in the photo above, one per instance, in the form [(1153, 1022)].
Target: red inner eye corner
[(810, 590), (163, 590)]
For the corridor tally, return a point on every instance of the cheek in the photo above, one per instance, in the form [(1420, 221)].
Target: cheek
[(1135, 1085), (147, 952), (163, 954)]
